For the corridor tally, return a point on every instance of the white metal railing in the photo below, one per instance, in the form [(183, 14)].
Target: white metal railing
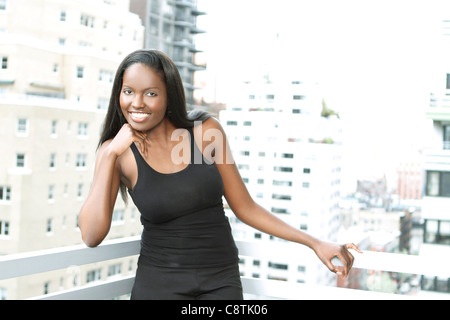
[(22, 264)]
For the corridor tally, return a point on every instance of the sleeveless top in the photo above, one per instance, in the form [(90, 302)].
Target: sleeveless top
[(182, 214)]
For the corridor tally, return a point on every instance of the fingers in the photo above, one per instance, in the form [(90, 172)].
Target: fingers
[(143, 141), (353, 246), (347, 258), (139, 137)]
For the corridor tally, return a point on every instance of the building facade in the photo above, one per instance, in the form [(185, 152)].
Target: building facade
[(171, 26), (289, 156), (436, 198), (58, 63)]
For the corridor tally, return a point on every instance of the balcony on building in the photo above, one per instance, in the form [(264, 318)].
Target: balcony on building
[(433, 267)]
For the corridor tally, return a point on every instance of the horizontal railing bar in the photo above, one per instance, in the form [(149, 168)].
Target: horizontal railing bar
[(95, 291), (437, 265), (22, 264), (16, 265)]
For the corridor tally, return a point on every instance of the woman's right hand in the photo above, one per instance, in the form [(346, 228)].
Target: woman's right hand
[(125, 137)]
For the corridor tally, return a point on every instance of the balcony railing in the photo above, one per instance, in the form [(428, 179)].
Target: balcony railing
[(22, 264)]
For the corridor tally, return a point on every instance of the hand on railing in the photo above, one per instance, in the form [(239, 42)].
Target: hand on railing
[(326, 251)]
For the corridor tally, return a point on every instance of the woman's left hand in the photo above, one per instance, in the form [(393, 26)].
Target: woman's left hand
[(328, 250)]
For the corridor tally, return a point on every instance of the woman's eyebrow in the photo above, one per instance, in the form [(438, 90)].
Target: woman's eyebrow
[(149, 88)]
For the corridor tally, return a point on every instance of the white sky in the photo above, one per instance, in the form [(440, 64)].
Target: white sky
[(373, 59)]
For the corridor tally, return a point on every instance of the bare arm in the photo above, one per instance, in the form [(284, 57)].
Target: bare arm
[(96, 213), (251, 213)]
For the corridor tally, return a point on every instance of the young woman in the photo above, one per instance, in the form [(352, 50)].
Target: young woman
[(187, 250)]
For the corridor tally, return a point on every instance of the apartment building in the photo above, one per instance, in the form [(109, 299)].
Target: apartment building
[(436, 197), (436, 200), (289, 156), (58, 59), (171, 26)]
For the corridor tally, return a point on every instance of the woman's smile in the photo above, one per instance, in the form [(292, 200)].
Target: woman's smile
[(138, 116)]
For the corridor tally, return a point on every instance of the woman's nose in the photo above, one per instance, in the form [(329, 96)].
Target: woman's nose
[(138, 101)]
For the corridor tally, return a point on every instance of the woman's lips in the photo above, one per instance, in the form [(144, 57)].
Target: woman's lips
[(139, 116)]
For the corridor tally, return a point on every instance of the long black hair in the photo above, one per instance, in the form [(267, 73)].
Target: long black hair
[(176, 100)]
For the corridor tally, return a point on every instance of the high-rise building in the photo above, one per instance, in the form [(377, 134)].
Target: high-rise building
[(436, 198), (289, 156), (58, 59), (171, 26)]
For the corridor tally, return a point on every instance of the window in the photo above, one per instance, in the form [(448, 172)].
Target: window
[(279, 210), (4, 228), (281, 197), (87, 21), (5, 193), (3, 291), (438, 183), (282, 169), (278, 266), (47, 287), (102, 103), (66, 190), (52, 160), (298, 97), (232, 123), (282, 183), (80, 190), (81, 160), (4, 63), (62, 15), (3, 4), (54, 128), (446, 138), (94, 275), (22, 126), (83, 129), (55, 68), (287, 155), (20, 160), (115, 270), (448, 81), (80, 72), (247, 123), (105, 76), (436, 231), (117, 216), (51, 193), (154, 26), (49, 225), (306, 170)]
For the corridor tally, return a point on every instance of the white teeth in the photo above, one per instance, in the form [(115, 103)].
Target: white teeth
[(139, 115)]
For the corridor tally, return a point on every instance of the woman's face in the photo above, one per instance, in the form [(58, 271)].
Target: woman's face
[(143, 97)]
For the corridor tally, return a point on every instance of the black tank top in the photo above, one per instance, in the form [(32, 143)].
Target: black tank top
[(182, 214)]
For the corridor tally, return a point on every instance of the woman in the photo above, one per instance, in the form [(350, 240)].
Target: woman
[(187, 250)]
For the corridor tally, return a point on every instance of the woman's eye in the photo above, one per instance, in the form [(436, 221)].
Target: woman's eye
[(127, 91), (151, 94)]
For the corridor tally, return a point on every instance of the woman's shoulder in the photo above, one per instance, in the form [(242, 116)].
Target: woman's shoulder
[(211, 123)]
